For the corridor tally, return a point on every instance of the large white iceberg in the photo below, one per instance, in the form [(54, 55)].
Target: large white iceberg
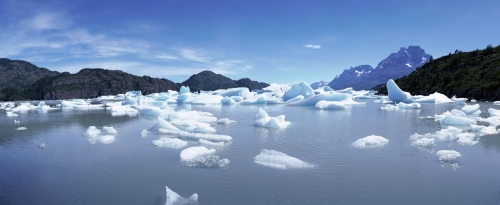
[(396, 94), (169, 143), (344, 98), (262, 119), (456, 117), (297, 89), (371, 142), (279, 160), (193, 152), (330, 105)]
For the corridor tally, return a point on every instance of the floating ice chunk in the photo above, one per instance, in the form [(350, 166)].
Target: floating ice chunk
[(493, 112), (21, 128), (466, 139), (389, 107), (110, 130), (41, 145), (496, 102), (22, 107), (459, 101), (297, 89), (193, 126), (490, 130), (192, 115), (206, 161), (228, 101), (16, 122), (262, 119), (345, 90), (211, 144), (296, 99), (175, 199), (403, 105), (107, 139), (423, 142), (255, 101), (207, 99), (279, 160), (447, 155), (371, 142), (161, 123), (471, 109), (194, 152), (170, 143), (119, 110), (434, 98), (11, 114), (396, 94), (225, 121), (456, 117), (240, 92), (92, 131), (237, 98), (330, 105), (344, 98), (473, 100), (144, 133), (184, 134)]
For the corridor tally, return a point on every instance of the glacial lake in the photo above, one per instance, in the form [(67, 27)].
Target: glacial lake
[(131, 170)]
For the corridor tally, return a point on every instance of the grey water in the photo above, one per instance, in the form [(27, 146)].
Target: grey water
[(71, 170)]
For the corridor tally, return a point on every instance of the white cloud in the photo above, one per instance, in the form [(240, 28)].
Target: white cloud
[(193, 55), (312, 46), (167, 57), (45, 21)]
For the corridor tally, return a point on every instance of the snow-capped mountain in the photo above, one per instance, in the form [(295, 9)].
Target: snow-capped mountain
[(318, 84), (396, 65)]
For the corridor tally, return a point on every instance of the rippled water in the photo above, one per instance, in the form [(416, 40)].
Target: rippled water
[(70, 170)]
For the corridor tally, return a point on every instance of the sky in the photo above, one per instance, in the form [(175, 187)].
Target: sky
[(271, 41)]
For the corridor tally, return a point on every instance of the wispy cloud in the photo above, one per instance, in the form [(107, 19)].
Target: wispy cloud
[(312, 46), (44, 21)]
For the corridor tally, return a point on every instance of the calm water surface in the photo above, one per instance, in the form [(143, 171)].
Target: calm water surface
[(70, 170)]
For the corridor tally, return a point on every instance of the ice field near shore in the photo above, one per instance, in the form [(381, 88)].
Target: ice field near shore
[(235, 146)]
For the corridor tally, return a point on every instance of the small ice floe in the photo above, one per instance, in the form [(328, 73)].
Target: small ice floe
[(496, 102), (371, 141), (330, 105), (169, 143), (144, 133), (279, 160), (225, 121), (41, 146), (197, 136), (471, 110), (93, 135), (389, 107), (455, 117), (202, 157), (11, 114), (175, 199), (423, 142), (262, 119), (211, 144), (466, 139), (402, 105), (16, 122), (473, 100), (21, 128), (447, 155), (447, 158), (110, 130)]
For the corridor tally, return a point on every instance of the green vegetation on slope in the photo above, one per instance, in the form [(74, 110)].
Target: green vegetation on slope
[(474, 74)]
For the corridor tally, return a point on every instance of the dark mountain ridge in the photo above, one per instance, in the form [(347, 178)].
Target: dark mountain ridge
[(208, 80)]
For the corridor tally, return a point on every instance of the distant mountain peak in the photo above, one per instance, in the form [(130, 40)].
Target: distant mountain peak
[(396, 65)]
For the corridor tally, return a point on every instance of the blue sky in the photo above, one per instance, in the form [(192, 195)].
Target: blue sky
[(265, 40)]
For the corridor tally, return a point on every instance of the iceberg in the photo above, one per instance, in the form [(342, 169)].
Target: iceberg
[(403, 105), (161, 123), (434, 98), (228, 101), (211, 144), (149, 110), (456, 117), (423, 142), (107, 139), (330, 105), (225, 121), (175, 199), (110, 130), (210, 161), (11, 114), (371, 141), (295, 99), (279, 160), (396, 94), (466, 139), (194, 152), (169, 143), (297, 89), (262, 119), (21, 128), (344, 98), (241, 92), (192, 126), (447, 155), (92, 131), (471, 109), (197, 136)]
